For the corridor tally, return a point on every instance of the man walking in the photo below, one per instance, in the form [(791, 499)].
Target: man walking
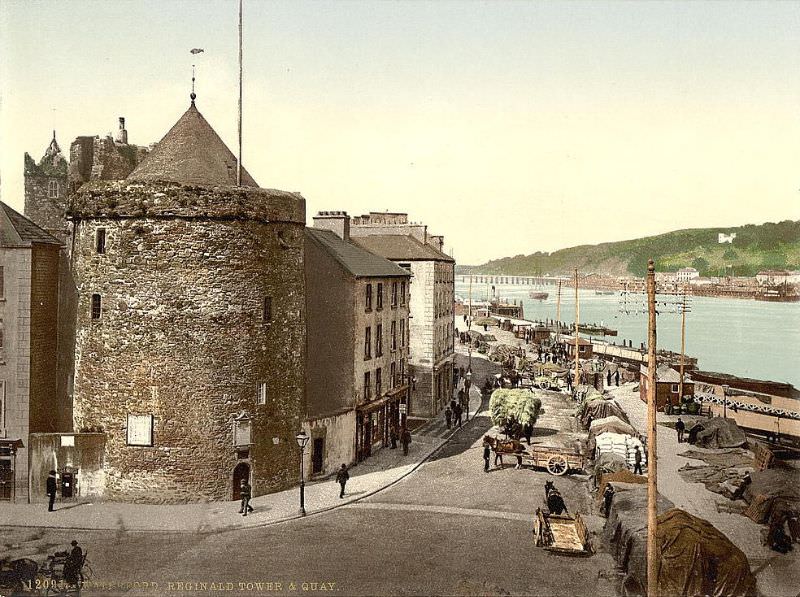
[(457, 412), (51, 490), (637, 462), (245, 492), (680, 427), (616, 376), (342, 477), (405, 439), (448, 416), (486, 454)]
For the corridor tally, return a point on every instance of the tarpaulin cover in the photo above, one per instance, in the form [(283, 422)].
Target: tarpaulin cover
[(609, 462), (613, 424), (695, 558), (598, 408), (623, 476), (772, 489), (720, 433)]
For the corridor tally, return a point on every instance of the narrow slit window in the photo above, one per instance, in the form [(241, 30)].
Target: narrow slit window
[(266, 312), (100, 240), (96, 306)]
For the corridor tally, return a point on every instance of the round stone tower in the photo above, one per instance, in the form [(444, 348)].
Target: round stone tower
[(190, 329)]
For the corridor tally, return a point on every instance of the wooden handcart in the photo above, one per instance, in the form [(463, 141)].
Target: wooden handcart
[(563, 534), (555, 459)]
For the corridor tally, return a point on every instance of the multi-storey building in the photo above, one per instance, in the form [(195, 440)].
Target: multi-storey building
[(29, 403), (358, 345)]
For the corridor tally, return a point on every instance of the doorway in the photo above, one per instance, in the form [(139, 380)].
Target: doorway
[(317, 451), (242, 471)]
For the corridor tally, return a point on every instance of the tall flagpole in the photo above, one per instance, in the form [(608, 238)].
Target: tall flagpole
[(652, 480), (577, 334), (239, 161)]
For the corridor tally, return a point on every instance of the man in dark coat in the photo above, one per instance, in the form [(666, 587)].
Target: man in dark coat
[(680, 427), (73, 565), (608, 496), (342, 477), (608, 377), (616, 376), (486, 453), (245, 492), (527, 431), (393, 437), (448, 416), (51, 489), (637, 462), (405, 439), (457, 412)]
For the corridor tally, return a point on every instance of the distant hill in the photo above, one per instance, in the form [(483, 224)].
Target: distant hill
[(756, 247)]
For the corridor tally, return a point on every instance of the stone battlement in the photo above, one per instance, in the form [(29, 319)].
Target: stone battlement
[(126, 199)]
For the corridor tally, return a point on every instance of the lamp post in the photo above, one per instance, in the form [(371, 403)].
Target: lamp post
[(302, 440)]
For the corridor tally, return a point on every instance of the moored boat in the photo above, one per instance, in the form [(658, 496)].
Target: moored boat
[(539, 296)]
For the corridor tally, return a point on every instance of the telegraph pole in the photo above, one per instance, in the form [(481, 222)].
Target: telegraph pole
[(239, 161), (652, 484), (558, 311), (577, 334), (683, 344)]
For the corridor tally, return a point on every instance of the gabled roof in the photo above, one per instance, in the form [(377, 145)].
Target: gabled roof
[(400, 247), (191, 153), (359, 262), (666, 374), (18, 231)]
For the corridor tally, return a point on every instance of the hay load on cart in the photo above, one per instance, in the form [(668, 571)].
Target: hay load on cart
[(512, 409), (695, 557)]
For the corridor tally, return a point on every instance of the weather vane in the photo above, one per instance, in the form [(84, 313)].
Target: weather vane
[(193, 51)]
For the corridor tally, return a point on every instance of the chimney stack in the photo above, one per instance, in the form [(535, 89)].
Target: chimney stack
[(122, 134), (337, 222)]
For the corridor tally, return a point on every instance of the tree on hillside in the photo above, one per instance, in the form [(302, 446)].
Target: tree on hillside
[(730, 255), (701, 265)]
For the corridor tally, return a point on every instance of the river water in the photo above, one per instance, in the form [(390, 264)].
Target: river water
[(743, 337)]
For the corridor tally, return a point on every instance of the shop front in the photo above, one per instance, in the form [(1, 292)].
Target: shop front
[(375, 421)]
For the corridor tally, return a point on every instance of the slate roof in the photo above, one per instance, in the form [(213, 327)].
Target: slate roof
[(18, 231), (191, 153), (359, 262), (666, 374), (400, 247)]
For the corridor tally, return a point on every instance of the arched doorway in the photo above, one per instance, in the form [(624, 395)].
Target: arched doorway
[(242, 471)]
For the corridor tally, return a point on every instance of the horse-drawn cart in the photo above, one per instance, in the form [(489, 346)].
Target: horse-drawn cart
[(556, 459), (564, 534)]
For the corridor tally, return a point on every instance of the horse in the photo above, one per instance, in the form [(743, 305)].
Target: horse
[(18, 574), (500, 447), (555, 503)]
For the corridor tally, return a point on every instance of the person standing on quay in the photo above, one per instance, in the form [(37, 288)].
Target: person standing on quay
[(680, 427), (51, 490), (608, 377), (486, 454), (457, 413), (342, 477), (637, 462), (245, 492), (405, 439), (616, 377)]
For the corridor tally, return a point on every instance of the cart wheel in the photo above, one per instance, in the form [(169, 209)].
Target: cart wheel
[(557, 465)]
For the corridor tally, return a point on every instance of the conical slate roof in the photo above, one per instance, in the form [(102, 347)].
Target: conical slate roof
[(18, 231), (191, 153)]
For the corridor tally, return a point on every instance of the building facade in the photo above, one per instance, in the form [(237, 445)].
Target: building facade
[(29, 402), (431, 309), (190, 333), (358, 344), (686, 274)]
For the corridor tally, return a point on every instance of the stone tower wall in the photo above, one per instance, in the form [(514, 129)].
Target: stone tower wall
[(182, 336), (45, 211)]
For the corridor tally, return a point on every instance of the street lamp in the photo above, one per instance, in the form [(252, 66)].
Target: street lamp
[(302, 440)]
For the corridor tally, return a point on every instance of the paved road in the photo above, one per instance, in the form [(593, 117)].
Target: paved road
[(448, 529)]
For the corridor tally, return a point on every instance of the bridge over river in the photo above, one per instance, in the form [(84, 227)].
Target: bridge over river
[(516, 280)]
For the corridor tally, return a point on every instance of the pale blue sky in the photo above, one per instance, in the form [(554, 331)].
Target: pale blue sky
[(571, 123)]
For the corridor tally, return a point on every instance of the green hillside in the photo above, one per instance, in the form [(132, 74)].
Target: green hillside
[(766, 246)]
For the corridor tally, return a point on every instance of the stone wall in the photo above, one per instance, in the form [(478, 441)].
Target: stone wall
[(81, 453), (48, 213), (181, 335), (15, 355), (47, 411), (339, 435)]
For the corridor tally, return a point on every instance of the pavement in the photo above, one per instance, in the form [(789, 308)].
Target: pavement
[(385, 468), (776, 574)]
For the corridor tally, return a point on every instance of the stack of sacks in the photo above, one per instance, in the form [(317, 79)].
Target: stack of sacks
[(622, 445)]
